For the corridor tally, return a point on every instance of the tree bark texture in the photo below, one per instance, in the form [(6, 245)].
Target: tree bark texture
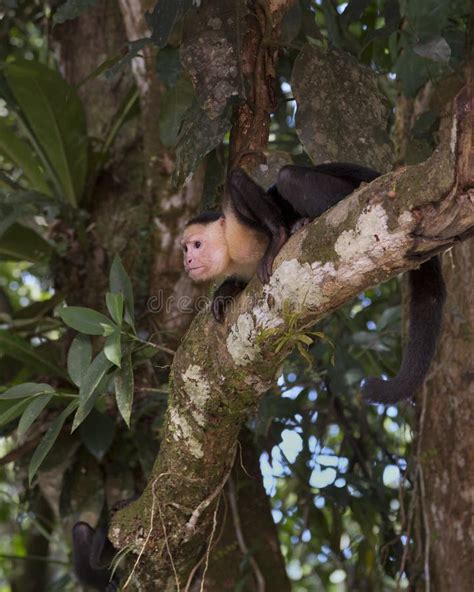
[(445, 499), (247, 554)]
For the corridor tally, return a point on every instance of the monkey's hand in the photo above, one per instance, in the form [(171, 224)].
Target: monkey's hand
[(279, 234), (264, 269), (224, 297)]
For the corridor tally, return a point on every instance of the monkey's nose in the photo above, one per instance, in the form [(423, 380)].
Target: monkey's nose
[(190, 260)]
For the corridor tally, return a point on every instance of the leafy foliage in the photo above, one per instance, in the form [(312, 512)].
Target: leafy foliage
[(51, 117), (338, 472)]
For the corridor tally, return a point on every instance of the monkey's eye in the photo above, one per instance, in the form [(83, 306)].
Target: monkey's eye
[(197, 244), (185, 248)]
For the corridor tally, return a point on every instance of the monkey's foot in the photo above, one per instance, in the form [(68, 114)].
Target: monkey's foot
[(299, 224), (218, 308)]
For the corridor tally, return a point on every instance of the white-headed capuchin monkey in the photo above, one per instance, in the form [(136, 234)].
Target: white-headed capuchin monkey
[(245, 238)]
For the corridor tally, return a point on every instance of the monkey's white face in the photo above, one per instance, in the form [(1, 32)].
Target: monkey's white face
[(205, 251)]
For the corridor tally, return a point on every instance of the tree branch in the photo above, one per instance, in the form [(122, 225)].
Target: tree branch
[(220, 372)]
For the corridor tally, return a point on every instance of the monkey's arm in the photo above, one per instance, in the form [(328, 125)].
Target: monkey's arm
[(257, 209), (224, 296)]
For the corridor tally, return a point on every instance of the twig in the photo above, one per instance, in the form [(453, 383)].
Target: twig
[(163, 525), (242, 466), (152, 516), (208, 552), (191, 525)]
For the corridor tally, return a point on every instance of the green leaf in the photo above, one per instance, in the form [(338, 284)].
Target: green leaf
[(97, 433), (21, 203), (56, 117), (174, 104), (19, 153), (27, 389), (123, 381), (79, 358), (304, 339), (32, 412), (86, 320), (168, 66), (48, 440), (199, 135), (115, 306), (71, 9), (89, 387), (436, 49), (12, 411), (120, 284), (163, 17), (20, 243), (21, 350), (112, 348)]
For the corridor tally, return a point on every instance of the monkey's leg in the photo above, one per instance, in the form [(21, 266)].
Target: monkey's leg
[(311, 191), (254, 207), (224, 295)]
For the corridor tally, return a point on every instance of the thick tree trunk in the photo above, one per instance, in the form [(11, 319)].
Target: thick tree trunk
[(135, 211), (445, 500), (247, 556)]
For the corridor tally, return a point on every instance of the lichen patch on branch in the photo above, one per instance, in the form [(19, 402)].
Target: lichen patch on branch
[(181, 429), (241, 340), (371, 229), (198, 390), (196, 384)]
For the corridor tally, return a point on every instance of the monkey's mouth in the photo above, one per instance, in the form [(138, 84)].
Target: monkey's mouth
[(195, 270)]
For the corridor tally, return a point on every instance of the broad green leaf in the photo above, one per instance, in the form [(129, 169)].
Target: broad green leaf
[(56, 117), (359, 135), (21, 350), (115, 306), (79, 358), (168, 66), (174, 104), (19, 153), (71, 9), (21, 203), (436, 49), (123, 381), (31, 413), (27, 389), (11, 412), (20, 243), (89, 387), (112, 348), (163, 17), (48, 440), (86, 320), (120, 284), (199, 135), (97, 433)]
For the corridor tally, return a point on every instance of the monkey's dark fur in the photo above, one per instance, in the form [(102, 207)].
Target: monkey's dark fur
[(299, 195), (92, 554)]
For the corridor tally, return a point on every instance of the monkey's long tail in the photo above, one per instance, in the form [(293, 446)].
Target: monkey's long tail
[(427, 296)]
